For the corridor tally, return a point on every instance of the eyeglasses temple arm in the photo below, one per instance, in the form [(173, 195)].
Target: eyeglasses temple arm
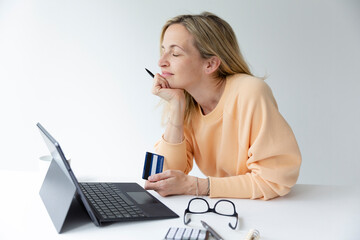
[(188, 221)]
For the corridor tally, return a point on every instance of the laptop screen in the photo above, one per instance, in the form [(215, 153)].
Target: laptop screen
[(61, 163), (52, 145)]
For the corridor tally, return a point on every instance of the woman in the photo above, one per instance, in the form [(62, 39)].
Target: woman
[(220, 115)]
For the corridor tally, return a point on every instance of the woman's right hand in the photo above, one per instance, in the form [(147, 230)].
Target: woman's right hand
[(174, 132), (162, 89)]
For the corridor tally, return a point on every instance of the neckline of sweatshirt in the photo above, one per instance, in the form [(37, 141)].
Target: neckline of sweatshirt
[(217, 112)]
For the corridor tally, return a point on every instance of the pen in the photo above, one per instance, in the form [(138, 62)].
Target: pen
[(212, 231), (150, 73)]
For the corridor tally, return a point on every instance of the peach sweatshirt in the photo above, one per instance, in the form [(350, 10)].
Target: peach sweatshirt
[(244, 145)]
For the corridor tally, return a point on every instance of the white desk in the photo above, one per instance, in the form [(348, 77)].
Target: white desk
[(308, 212)]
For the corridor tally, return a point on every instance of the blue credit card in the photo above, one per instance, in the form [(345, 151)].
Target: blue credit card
[(153, 164)]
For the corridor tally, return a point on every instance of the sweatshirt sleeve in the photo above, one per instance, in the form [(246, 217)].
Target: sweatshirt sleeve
[(273, 155), (177, 156)]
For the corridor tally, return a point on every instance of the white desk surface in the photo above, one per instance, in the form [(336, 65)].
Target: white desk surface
[(307, 212)]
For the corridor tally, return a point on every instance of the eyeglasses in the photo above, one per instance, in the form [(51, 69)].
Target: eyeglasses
[(222, 207)]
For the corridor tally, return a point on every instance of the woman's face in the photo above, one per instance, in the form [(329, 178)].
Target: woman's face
[(180, 62)]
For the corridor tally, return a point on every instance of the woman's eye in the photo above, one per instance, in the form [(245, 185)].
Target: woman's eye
[(175, 55)]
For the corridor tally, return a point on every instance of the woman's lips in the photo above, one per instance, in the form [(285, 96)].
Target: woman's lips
[(166, 74)]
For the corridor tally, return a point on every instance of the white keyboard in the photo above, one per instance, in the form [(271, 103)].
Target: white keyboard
[(176, 233)]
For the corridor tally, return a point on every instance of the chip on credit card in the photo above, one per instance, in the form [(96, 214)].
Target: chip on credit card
[(153, 164)]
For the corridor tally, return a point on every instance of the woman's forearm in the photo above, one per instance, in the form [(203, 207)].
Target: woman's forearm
[(174, 132)]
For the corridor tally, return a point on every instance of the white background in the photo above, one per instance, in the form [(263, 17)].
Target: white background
[(77, 67)]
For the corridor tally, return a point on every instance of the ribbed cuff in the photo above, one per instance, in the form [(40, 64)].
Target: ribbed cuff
[(231, 187)]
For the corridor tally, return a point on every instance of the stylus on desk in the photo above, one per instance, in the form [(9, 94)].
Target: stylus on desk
[(150, 73), (212, 231)]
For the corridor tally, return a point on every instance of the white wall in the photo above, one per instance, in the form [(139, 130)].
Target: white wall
[(77, 66)]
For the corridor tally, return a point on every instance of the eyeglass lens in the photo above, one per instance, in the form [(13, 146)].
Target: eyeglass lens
[(224, 207), (198, 206)]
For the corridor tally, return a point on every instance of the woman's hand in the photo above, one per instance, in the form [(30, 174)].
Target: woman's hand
[(162, 89), (172, 182)]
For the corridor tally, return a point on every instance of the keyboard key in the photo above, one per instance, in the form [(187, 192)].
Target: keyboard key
[(171, 233), (187, 234), (202, 235), (195, 234), (179, 233)]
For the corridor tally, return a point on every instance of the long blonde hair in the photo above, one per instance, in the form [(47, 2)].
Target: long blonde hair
[(213, 37)]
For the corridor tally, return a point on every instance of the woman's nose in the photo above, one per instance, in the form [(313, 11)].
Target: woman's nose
[(163, 62)]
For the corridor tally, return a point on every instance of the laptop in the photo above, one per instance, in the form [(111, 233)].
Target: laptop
[(103, 201)]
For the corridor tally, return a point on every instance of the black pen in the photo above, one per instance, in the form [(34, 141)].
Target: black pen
[(150, 73), (212, 231)]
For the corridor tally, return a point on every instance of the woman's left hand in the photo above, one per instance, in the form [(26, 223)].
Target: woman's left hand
[(171, 182)]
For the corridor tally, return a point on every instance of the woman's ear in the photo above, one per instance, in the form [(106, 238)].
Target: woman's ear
[(212, 64)]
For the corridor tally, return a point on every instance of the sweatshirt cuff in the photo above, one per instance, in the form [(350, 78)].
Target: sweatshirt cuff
[(232, 187), (244, 186)]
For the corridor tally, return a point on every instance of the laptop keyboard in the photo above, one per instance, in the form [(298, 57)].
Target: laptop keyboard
[(110, 202)]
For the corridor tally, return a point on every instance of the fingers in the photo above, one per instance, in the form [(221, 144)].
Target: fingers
[(160, 176), (165, 183), (164, 83), (160, 187), (159, 83), (151, 185)]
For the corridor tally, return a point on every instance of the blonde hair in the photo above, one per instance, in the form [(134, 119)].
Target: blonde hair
[(212, 37)]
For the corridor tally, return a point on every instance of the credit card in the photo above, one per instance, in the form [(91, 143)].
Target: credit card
[(153, 164)]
